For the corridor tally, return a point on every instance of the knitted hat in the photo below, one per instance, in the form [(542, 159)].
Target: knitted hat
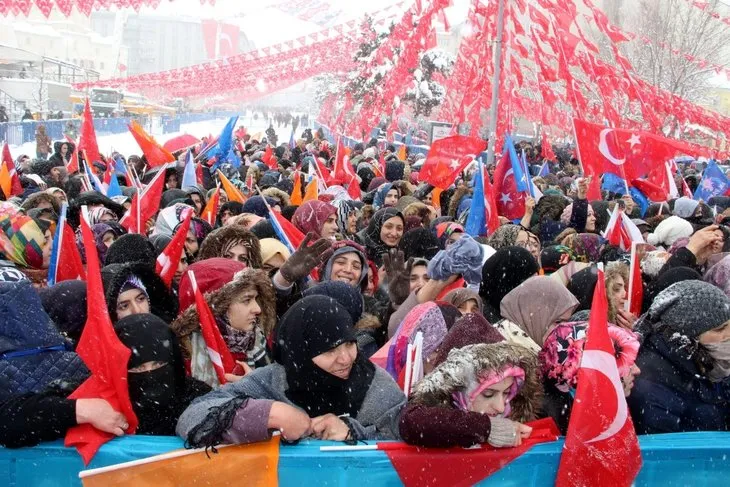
[(131, 248), (668, 231), (691, 308)]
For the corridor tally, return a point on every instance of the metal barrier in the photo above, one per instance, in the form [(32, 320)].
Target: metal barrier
[(18, 133)]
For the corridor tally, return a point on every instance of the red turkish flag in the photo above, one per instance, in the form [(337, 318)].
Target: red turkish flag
[(343, 169), (636, 287), (448, 157), (144, 206), (168, 261), (218, 352), (601, 447), (353, 189), (73, 163), (419, 467), (104, 355), (510, 202), (87, 142), (269, 159)]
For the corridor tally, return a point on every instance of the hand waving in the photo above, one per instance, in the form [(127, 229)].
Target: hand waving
[(306, 258)]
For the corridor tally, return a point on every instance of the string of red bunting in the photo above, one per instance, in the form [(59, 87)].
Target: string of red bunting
[(23, 7)]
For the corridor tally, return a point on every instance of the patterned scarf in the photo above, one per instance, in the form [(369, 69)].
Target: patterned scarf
[(22, 241)]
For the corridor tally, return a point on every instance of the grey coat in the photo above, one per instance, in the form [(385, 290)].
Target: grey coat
[(238, 412)]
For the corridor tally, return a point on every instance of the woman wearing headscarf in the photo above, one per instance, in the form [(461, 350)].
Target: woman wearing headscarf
[(505, 270), (169, 218), (101, 214), (135, 288), (719, 275), (514, 235), (348, 213), (104, 236), (27, 243), (434, 320), (232, 242), (466, 300), (532, 309), (386, 196), (244, 310), (321, 386), (383, 233), (226, 211), (560, 359), (587, 247), (317, 217), (273, 255), (158, 389), (199, 229), (448, 233), (683, 359), (480, 394)]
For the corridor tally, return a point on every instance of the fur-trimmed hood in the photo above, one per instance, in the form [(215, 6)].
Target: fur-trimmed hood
[(219, 301), (278, 195), (465, 365), (459, 194)]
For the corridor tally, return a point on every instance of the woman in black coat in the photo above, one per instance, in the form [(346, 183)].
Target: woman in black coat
[(158, 389)]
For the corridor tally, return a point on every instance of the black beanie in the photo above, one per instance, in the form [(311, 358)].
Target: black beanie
[(131, 248)]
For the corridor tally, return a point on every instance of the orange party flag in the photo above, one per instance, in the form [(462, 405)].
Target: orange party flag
[(252, 464), (296, 194), (155, 154), (231, 191), (402, 153), (312, 191)]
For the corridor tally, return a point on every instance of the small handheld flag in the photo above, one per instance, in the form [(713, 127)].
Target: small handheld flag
[(218, 352)]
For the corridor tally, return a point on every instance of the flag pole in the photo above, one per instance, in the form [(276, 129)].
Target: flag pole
[(495, 85)]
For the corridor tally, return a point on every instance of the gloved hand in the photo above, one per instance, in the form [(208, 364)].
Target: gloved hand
[(306, 258), (399, 285)]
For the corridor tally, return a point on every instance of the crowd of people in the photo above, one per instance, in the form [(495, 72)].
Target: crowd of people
[(320, 333)]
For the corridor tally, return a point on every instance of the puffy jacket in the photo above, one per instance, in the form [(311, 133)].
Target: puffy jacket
[(672, 394), (33, 354)]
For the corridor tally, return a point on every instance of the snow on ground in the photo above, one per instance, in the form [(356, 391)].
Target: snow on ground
[(126, 145)]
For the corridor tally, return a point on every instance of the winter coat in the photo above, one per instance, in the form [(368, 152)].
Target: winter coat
[(30, 418), (219, 301), (57, 159), (208, 420), (42, 143), (672, 394), (32, 351), (430, 418)]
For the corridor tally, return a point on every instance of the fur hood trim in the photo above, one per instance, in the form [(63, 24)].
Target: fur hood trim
[(466, 365), (219, 301), (277, 194)]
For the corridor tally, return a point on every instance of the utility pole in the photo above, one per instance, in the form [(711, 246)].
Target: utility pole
[(495, 84)]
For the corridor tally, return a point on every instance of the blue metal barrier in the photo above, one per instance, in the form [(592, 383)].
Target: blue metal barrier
[(696, 459), (18, 133)]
